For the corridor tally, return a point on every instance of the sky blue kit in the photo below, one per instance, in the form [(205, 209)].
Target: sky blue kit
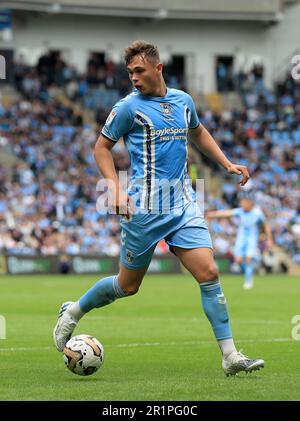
[(248, 231), (155, 131)]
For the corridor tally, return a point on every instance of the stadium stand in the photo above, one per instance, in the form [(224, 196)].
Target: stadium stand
[(48, 190)]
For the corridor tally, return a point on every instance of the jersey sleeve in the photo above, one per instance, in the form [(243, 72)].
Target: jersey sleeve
[(237, 211), (261, 216), (119, 122), (193, 117)]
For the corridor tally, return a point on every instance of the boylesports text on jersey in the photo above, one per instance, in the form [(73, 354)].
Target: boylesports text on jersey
[(169, 131)]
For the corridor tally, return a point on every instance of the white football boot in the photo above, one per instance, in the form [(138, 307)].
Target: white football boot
[(236, 362), (64, 327)]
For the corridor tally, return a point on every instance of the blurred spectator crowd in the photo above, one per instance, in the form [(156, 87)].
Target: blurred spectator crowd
[(265, 137), (48, 196)]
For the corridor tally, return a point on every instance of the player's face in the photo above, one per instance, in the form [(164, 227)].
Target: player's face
[(247, 204), (145, 75)]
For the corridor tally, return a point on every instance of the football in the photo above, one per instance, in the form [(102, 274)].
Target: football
[(83, 355)]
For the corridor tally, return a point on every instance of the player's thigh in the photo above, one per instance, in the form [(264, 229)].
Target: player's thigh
[(133, 266), (138, 242), (251, 252), (192, 244), (131, 279), (238, 259), (239, 251), (199, 262)]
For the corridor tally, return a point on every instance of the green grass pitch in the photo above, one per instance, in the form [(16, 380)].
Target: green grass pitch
[(158, 343)]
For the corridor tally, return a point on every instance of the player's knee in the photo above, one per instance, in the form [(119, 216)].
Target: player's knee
[(211, 273), (130, 285), (130, 289)]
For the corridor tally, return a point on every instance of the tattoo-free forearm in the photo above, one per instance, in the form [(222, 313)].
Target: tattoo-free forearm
[(105, 162), (209, 147), (268, 232), (227, 213)]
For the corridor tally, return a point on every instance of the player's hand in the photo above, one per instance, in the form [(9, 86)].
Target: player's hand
[(207, 215), (124, 205), (240, 170)]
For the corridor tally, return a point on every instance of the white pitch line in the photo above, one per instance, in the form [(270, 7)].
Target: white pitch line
[(195, 343), (191, 319), (263, 322), (21, 349), (152, 344)]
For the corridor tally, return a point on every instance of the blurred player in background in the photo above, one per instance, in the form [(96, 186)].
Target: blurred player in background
[(154, 122), (250, 219)]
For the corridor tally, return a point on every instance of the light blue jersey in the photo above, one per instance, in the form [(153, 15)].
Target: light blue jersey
[(248, 231), (155, 133)]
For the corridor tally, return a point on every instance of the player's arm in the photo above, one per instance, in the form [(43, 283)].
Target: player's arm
[(269, 236), (227, 213), (105, 162), (209, 147)]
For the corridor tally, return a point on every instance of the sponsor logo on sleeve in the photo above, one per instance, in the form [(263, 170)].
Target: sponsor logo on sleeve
[(110, 118)]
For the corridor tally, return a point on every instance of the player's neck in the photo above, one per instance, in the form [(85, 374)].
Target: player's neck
[(161, 90)]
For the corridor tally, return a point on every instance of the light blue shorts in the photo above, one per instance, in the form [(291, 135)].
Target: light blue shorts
[(246, 247), (139, 236)]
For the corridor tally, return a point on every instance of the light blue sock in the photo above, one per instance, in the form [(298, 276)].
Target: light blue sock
[(215, 308), (102, 293), (249, 269)]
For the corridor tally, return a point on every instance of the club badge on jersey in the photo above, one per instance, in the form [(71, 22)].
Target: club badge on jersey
[(166, 111)]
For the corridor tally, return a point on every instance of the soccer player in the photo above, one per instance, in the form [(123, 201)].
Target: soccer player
[(250, 219), (154, 122)]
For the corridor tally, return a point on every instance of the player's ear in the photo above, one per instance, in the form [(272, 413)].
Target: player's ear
[(159, 67)]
